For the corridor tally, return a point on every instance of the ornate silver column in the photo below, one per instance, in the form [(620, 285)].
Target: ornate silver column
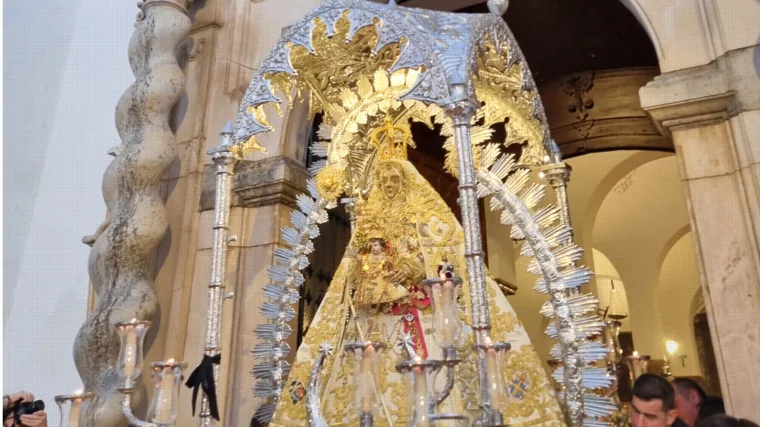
[(461, 112), (558, 175), (120, 260), (224, 161)]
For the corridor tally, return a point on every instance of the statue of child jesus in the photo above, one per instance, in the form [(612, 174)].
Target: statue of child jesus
[(379, 280)]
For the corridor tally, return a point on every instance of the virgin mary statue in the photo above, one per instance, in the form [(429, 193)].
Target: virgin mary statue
[(404, 231)]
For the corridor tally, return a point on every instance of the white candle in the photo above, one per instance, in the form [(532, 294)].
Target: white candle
[(130, 351), (493, 372), (76, 403), (448, 313), (611, 355), (166, 390), (367, 380), (420, 394)]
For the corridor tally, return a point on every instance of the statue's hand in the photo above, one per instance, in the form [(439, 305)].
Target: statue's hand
[(396, 276)]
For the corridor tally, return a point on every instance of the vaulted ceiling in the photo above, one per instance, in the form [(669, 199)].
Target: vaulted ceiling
[(560, 37)]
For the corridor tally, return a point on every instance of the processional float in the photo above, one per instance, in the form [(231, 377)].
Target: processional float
[(466, 72), (370, 69)]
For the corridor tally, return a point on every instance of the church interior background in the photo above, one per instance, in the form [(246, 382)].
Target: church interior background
[(655, 107)]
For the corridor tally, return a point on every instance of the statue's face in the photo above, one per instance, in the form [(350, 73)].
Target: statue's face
[(376, 246), (390, 182)]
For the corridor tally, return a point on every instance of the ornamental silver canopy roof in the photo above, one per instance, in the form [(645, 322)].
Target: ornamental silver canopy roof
[(443, 45)]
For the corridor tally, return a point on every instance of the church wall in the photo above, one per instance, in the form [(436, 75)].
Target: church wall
[(678, 284), (692, 33), (61, 88)]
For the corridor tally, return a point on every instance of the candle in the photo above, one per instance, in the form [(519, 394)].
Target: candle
[(609, 341), (367, 379), (130, 350), (166, 392), (421, 399), (448, 313), (492, 370), (76, 403)]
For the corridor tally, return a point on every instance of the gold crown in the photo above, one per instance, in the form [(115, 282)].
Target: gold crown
[(389, 148)]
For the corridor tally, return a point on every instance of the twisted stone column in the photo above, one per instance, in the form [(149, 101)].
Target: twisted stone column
[(119, 263)]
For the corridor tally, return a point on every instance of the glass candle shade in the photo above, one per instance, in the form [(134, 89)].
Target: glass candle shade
[(71, 406), (420, 396), (637, 365), (495, 354), (420, 393), (367, 360), (130, 363), (167, 378), (443, 295), (611, 333)]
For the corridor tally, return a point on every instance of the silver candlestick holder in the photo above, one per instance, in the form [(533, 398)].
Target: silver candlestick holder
[(167, 378), (71, 405), (494, 355), (366, 355), (422, 404), (637, 365)]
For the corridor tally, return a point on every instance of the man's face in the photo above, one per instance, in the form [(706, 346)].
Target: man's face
[(390, 182), (687, 406), (650, 414)]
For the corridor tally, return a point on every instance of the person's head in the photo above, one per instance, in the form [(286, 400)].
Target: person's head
[(723, 420), (653, 402), (689, 396), (711, 406)]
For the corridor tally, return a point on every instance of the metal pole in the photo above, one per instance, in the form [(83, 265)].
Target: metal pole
[(558, 175), (461, 112), (224, 160)]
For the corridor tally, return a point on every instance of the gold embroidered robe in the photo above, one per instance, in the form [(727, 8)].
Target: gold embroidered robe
[(415, 216)]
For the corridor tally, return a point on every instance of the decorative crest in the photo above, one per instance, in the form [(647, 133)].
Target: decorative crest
[(389, 148)]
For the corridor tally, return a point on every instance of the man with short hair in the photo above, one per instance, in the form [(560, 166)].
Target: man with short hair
[(653, 402), (689, 397)]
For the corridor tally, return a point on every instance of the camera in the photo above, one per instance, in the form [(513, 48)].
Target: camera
[(26, 408)]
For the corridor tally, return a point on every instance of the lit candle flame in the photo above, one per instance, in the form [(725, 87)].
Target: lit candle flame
[(488, 341), (417, 359), (170, 361), (672, 346), (635, 354), (79, 392)]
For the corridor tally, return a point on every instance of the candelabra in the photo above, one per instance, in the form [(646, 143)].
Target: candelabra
[(637, 365), (167, 377), (71, 405), (610, 335), (422, 372), (366, 356)]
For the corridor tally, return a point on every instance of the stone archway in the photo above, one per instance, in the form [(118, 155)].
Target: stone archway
[(704, 343)]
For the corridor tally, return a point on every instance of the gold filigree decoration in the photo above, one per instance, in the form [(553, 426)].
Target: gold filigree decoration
[(386, 140), (335, 66), (500, 88), (373, 99), (331, 182)]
